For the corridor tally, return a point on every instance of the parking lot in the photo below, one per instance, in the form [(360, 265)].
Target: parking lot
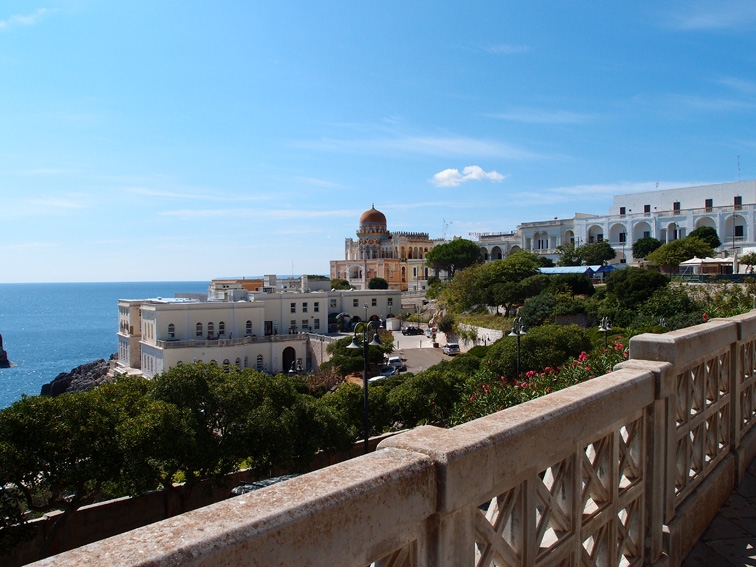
[(417, 351)]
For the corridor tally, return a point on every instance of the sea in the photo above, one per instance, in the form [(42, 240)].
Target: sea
[(49, 328)]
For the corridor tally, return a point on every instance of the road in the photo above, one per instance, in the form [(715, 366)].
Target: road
[(417, 351)]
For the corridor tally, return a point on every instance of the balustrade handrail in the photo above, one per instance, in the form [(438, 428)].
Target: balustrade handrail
[(627, 468)]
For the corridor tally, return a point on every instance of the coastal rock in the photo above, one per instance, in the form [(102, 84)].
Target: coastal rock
[(79, 379), (4, 362)]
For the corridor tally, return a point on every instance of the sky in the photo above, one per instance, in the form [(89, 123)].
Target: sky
[(186, 140)]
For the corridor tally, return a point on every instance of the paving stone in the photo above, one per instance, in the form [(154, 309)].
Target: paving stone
[(703, 556), (738, 551), (725, 528)]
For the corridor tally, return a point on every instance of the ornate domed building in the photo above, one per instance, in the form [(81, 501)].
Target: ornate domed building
[(397, 257)]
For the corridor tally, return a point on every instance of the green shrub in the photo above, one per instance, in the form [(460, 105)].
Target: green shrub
[(541, 347)]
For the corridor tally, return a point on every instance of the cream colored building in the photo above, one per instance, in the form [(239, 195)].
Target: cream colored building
[(267, 330)]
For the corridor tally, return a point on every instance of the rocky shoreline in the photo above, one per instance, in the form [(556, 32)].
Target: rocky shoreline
[(79, 379)]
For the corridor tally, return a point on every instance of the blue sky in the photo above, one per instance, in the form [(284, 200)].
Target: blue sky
[(185, 140)]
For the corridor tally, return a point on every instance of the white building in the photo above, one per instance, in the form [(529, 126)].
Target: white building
[(271, 331), (664, 214)]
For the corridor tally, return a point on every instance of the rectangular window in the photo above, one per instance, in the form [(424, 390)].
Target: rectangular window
[(316, 307), (333, 304), (304, 307), (355, 303), (622, 237), (390, 301), (646, 209), (622, 211), (293, 325), (414, 272), (738, 203), (739, 231), (316, 324), (374, 302), (676, 206), (305, 324), (646, 234), (709, 204), (293, 307), (599, 237)]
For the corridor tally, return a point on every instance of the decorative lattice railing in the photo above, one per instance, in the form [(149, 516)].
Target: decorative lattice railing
[(626, 469)]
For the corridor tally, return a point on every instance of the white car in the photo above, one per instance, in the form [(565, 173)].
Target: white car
[(451, 349), (396, 362)]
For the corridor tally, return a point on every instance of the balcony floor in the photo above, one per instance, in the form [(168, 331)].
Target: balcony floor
[(730, 539)]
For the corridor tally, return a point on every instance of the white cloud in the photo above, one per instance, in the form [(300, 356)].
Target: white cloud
[(424, 145), (536, 116), (505, 49), (719, 15), (266, 214), (28, 20), (453, 177)]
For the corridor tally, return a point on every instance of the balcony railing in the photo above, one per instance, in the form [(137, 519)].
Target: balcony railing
[(625, 469), (205, 343)]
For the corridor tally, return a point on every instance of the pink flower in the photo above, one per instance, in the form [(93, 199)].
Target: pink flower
[(583, 357), (705, 317), (524, 385)]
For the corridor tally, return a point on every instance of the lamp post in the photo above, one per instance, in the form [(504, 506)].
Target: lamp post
[(364, 328), (518, 329), (605, 327)]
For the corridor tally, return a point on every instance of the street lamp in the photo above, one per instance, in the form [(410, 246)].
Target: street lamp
[(518, 329), (365, 328), (605, 327)]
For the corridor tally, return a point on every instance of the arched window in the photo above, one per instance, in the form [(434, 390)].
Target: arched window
[(226, 365), (198, 331), (171, 331), (238, 363), (248, 328), (246, 362), (260, 362), (221, 328), (210, 329)]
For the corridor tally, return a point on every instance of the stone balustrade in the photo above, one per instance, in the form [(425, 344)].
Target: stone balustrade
[(625, 469)]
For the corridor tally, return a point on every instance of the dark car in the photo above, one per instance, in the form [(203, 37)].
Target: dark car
[(246, 487), (412, 331)]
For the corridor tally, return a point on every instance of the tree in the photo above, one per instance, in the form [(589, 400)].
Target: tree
[(748, 259), (595, 253), (378, 283), (632, 286), (338, 283), (678, 251), (708, 234), (568, 255), (453, 256), (644, 246)]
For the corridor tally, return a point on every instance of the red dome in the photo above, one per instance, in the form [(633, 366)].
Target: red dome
[(373, 216)]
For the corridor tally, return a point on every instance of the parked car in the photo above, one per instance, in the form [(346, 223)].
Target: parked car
[(430, 331), (451, 349), (396, 362), (412, 331), (245, 487), (390, 370)]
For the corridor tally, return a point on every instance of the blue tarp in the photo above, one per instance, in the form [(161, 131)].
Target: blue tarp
[(587, 270)]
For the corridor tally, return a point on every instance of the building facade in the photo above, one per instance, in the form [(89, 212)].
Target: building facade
[(669, 214), (266, 330), (397, 257)]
